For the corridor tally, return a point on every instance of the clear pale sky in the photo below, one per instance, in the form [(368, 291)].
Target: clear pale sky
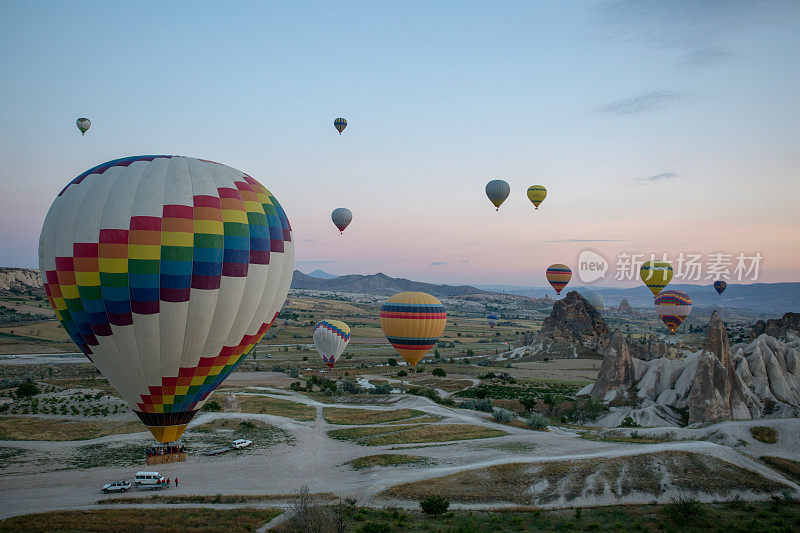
[(656, 126)]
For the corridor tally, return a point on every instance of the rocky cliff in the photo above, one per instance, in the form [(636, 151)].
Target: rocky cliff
[(777, 327), (753, 380)]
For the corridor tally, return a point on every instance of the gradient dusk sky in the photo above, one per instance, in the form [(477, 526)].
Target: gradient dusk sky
[(657, 126)]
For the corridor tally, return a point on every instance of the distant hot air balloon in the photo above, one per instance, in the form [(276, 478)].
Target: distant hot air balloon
[(536, 194), (340, 124), (673, 307), (331, 338), (341, 217), (594, 298), (492, 320), (656, 275), (497, 191), (558, 275), (166, 271), (412, 323), (720, 286), (83, 124)]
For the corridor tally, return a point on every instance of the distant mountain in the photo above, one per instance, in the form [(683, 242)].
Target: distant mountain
[(321, 274), (378, 284), (772, 298)]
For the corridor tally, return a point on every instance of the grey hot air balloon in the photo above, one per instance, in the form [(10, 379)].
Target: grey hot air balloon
[(497, 191), (594, 298), (341, 217)]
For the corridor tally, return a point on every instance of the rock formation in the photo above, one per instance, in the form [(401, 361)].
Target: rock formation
[(753, 380), (574, 319), (616, 372), (625, 308), (777, 327), (231, 404), (653, 348)]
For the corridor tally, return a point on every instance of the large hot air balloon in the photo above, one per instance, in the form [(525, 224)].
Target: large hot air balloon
[(83, 124), (166, 271), (656, 275), (720, 286), (558, 275), (412, 323), (536, 194), (673, 307), (497, 191), (492, 320), (340, 124), (341, 217), (594, 298), (331, 338)]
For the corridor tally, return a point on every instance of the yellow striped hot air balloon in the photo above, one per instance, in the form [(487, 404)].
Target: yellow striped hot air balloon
[(656, 275), (537, 194), (558, 275), (412, 323)]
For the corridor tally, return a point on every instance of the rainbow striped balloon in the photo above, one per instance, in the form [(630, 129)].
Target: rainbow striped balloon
[(558, 275), (331, 337), (166, 271), (673, 307), (412, 323)]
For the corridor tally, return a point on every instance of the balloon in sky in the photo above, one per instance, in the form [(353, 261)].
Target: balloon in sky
[(558, 275), (331, 338), (83, 124), (720, 286), (497, 191), (340, 124), (492, 320), (341, 217), (412, 323), (166, 271), (536, 194), (656, 275), (673, 307), (594, 298)]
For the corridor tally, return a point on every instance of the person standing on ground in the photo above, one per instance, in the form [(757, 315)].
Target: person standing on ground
[(176, 482)]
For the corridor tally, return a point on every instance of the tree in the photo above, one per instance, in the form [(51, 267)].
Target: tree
[(212, 405), (434, 505), (439, 372), (529, 403), (27, 389), (392, 361)]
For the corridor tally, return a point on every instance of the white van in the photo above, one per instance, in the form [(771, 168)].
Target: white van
[(149, 479)]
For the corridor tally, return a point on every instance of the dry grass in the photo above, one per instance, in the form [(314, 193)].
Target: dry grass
[(651, 474), (264, 405), (788, 467), (151, 520), (222, 499), (386, 459), (449, 385), (352, 417), (384, 436), (765, 434), (49, 429)]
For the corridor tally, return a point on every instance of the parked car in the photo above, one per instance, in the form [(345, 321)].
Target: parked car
[(241, 443), (117, 486), (152, 480)]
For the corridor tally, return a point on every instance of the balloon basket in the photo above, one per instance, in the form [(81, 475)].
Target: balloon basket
[(168, 453)]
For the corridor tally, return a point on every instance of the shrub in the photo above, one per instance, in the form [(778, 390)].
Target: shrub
[(381, 388), (434, 505), (278, 368), (503, 415), (347, 386), (296, 386), (629, 422), (536, 421), (27, 389), (765, 434), (439, 372), (683, 511), (402, 374), (392, 361), (212, 405), (478, 405), (293, 373), (528, 402)]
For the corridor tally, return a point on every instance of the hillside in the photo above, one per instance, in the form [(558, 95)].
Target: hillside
[(378, 284)]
